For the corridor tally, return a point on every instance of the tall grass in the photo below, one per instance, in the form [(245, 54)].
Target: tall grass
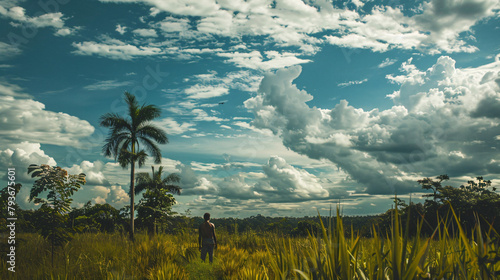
[(332, 253)]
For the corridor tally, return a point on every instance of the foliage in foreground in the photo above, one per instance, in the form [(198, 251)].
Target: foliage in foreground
[(328, 254), (60, 187)]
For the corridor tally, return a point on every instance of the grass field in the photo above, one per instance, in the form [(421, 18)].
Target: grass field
[(329, 254)]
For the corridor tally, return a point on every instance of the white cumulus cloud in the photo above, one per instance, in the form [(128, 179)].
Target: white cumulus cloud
[(172, 127), (54, 20), (145, 32), (27, 120), (115, 49), (438, 112), (116, 196)]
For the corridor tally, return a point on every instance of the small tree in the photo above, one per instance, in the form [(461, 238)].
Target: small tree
[(5, 195), (60, 187), (474, 198), (97, 218), (435, 186), (157, 201)]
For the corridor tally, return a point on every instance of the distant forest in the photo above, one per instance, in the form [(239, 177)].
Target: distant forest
[(476, 200)]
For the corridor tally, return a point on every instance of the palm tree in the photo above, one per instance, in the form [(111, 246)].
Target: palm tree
[(125, 137), (158, 198)]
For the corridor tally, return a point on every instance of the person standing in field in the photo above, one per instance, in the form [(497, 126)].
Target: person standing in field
[(206, 238)]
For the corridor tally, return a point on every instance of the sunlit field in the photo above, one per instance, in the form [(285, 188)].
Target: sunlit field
[(303, 139), (332, 253)]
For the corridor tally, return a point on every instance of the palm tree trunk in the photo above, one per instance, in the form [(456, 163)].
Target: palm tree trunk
[(132, 197)]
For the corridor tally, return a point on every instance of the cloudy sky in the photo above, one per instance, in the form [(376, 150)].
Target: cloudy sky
[(279, 107)]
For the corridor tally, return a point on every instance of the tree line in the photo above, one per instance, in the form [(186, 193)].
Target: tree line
[(474, 201)]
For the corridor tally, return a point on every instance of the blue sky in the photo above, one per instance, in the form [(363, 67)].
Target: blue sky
[(322, 101)]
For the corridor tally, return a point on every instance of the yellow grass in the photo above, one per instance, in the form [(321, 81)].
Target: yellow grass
[(328, 254)]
